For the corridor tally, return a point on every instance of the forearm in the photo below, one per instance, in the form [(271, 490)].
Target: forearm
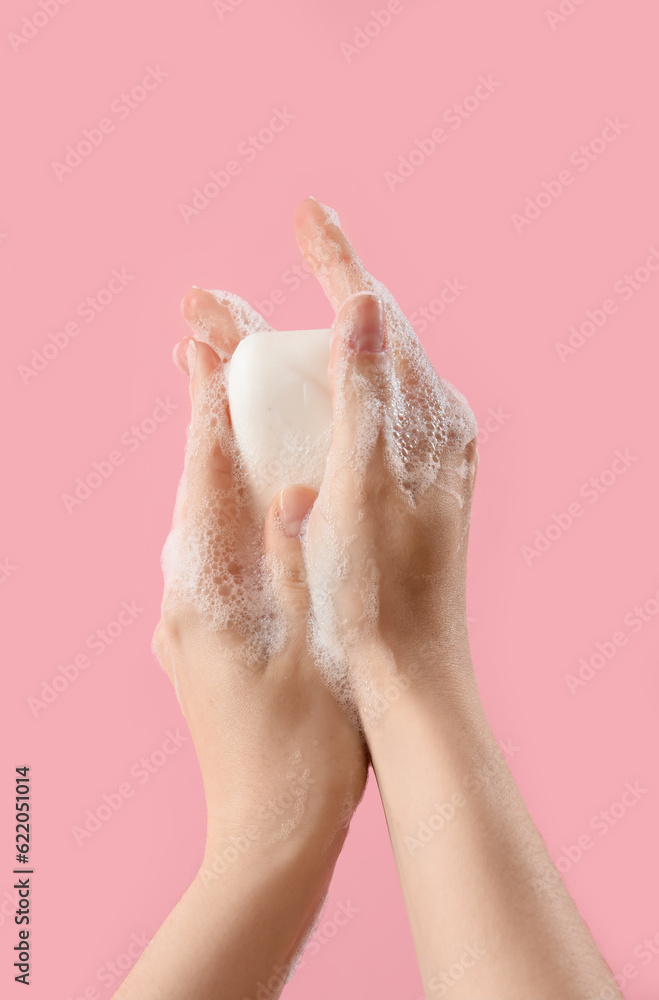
[(489, 913), (236, 931)]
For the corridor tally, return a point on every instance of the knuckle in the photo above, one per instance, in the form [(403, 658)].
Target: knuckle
[(290, 572), (172, 624), (158, 642), (472, 459)]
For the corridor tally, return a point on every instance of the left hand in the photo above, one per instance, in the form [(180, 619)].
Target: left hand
[(279, 758)]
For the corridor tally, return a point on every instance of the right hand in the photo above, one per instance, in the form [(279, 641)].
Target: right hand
[(386, 551)]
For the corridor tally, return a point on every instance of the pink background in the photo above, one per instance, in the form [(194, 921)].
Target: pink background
[(560, 422)]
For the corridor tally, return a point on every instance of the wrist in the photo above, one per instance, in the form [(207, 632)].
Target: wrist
[(277, 836), (440, 771), (280, 885), (427, 680), (433, 742)]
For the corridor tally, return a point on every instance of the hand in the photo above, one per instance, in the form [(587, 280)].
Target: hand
[(386, 542), (266, 729), (282, 765), (386, 547)]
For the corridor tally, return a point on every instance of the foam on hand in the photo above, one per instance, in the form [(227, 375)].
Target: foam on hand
[(281, 426), (281, 409)]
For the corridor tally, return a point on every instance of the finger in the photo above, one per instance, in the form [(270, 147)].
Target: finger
[(210, 320), (204, 558), (283, 548), (221, 319), (342, 274), (208, 463), (329, 253), (179, 355), (360, 377)]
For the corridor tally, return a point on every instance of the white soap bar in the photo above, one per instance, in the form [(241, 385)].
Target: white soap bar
[(281, 410)]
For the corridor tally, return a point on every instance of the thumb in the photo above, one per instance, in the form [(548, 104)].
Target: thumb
[(283, 547)]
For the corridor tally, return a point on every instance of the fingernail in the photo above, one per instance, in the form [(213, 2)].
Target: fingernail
[(294, 505), (191, 356), (313, 199), (368, 325)]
